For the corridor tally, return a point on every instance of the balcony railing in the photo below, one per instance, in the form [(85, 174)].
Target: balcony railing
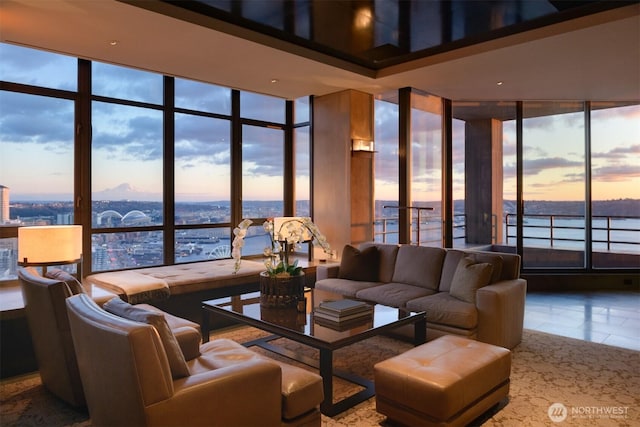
[(425, 230), (614, 234), (387, 229), (609, 233)]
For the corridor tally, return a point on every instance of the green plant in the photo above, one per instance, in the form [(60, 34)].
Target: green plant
[(283, 269)]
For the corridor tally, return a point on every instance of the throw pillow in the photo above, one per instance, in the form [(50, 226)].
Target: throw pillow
[(468, 278), (495, 260), (74, 286), (177, 363), (361, 265)]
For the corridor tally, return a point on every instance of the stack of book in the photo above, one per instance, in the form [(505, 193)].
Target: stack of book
[(342, 314)]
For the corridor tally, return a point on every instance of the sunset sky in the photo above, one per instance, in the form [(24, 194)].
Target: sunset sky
[(36, 145)]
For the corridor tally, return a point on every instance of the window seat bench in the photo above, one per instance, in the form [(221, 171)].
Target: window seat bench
[(180, 289), (157, 283)]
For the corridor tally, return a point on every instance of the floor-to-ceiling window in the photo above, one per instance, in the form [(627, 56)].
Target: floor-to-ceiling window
[(169, 165), (483, 172), (615, 184), (509, 221), (553, 184), (386, 170), (263, 165), (571, 153), (36, 145), (458, 179), (426, 170), (126, 168), (302, 156), (202, 174)]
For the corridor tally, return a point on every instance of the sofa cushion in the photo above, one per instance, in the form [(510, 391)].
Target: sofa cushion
[(469, 277), (359, 265), (443, 309), (419, 266), (345, 287), (177, 363), (453, 257), (393, 294), (387, 254), (74, 286)]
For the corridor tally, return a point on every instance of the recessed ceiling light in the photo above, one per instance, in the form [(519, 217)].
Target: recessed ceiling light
[(274, 80), (113, 42), (500, 83)]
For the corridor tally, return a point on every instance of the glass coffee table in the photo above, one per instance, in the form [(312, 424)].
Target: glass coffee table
[(298, 324)]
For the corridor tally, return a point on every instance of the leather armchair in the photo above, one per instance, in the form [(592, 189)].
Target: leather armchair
[(46, 313), (127, 377)]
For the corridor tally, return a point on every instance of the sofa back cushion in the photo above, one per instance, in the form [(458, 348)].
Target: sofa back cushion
[(453, 258), (360, 265), (419, 266), (386, 259)]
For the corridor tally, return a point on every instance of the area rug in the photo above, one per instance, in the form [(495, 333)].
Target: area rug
[(554, 381)]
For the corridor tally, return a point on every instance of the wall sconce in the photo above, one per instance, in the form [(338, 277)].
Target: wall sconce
[(50, 245), (362, 145)]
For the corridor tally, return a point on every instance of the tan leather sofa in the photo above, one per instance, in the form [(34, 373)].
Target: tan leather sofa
[(128, 378), (487, 306), (46, 312)]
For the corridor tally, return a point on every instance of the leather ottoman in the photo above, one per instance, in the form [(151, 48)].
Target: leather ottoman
[(449, 381)]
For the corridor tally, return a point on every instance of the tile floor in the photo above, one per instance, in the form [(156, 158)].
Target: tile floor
[(611, 317)]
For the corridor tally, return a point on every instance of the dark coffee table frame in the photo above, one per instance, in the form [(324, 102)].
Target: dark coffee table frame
[(326, 349)]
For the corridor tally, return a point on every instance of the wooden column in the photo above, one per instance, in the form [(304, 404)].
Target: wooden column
[(343, 181)]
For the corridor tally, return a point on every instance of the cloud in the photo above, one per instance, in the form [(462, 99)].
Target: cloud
[(535, 166), (617, 173), (36, 119), (128, 133), (615, 110), (262, 107), (202, 140), (202, 96), (618, 152), (126, 83), (37, 67)]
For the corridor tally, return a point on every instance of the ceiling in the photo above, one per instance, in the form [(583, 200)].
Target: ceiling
[(591, 57)]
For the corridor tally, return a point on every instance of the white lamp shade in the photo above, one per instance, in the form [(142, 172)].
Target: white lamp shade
[(49, 244)]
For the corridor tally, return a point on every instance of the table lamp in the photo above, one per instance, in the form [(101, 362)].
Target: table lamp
[(47, 245)]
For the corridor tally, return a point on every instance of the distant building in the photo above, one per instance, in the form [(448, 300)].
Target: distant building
[(66, 218), (4, 204)]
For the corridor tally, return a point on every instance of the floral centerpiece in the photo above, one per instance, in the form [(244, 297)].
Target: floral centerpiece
[(282, 284), (285, 233)]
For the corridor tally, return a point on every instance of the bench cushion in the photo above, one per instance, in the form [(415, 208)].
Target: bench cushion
[(145, 284), (131, 286)]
